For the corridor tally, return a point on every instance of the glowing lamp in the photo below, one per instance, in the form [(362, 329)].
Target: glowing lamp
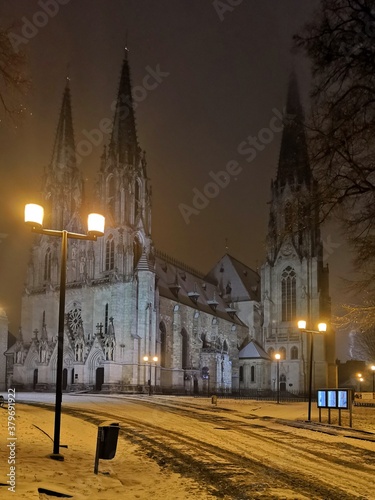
[(34, 215), (95, 224)]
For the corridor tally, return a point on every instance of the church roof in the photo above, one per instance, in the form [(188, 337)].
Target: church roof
[(243, 281), (253, 351), (189, 287)]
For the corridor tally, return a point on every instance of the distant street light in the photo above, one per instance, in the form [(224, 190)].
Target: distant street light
[(360, 380), (148, 360), (322, 327), (34, 217), (277, 357), (373, 379)]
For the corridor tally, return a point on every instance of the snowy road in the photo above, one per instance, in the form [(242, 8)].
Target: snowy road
[(236, 454)]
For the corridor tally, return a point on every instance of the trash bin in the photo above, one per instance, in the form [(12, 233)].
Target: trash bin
[(214, 400), (108, 440)]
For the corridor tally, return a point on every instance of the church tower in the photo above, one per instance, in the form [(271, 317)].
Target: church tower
[(294, 278), (123, 187), (111, 300)]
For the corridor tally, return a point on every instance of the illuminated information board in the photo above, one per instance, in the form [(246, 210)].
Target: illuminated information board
[(334, 398)]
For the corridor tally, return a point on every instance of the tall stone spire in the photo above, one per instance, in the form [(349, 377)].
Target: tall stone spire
[(63, 185), (63, 155), (124, 141), (293, 160)]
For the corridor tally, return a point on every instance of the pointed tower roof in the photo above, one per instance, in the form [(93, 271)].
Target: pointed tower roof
[(293, 159), (63, 154), (124, 141)]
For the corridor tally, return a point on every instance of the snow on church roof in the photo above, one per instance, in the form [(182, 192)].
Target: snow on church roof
[(253, 351), (189, 287), (232, 276)]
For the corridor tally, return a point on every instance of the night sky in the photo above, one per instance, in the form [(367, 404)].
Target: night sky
[(221, 77)]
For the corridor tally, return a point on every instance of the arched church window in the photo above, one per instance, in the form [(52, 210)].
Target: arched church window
[(109, 254), (137, 251), (271, 352), (47, 265), (137, 199), (252, 374), (294, 352), (288, 211), (106, 319), (241, 373), (288, 294), (185, 349), (282, 352), (111, 194), (163, 344)]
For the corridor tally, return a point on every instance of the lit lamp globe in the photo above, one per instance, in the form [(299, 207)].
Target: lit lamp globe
[(34, 215), (95, 225), (302, 324)]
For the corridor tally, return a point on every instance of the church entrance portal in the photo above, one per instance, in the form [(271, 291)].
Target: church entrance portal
[(99, 379), (65, 379), (35, 378)]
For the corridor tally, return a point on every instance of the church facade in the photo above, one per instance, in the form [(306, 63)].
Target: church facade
[(125, 300)]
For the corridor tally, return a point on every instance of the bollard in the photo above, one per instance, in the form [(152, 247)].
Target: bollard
[(214, 400)]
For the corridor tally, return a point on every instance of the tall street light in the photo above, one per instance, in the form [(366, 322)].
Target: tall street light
[(34, 217), (148, 360), (373, 379), (277, 357), (360, 380), (322, 327)]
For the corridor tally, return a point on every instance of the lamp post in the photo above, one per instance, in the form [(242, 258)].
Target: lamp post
[(360, 380), (322, 327), (373, 379), (277, 357), (148, 360), (34, 217)]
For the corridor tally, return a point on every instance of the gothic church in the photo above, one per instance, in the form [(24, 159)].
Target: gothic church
[(124, 300)]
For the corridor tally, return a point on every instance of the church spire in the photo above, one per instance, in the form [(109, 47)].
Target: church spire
[(63, 155), (293, 160), (63, 185), (124, 141)]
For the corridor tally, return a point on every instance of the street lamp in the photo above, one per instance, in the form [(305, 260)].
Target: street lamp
[(148, 359), (360, 380), (322, 327), (373, 379), (34, 217), (277, 357)]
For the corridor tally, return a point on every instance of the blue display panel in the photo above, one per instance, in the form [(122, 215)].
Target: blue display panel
[(333, 398)]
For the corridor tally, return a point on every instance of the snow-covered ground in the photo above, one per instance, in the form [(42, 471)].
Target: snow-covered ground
[(187, 448)]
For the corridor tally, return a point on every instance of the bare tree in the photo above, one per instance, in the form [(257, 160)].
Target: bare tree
[(340, 43), (13, 80)]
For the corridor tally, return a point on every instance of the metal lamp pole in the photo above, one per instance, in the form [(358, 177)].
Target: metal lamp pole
[(34, 217), (322, 327), (277, 357), (373, 379)]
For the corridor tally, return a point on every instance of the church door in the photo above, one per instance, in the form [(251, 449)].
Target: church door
[(35, 378), (196, 388), (65, 379), (283, 383), (99, 378)]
